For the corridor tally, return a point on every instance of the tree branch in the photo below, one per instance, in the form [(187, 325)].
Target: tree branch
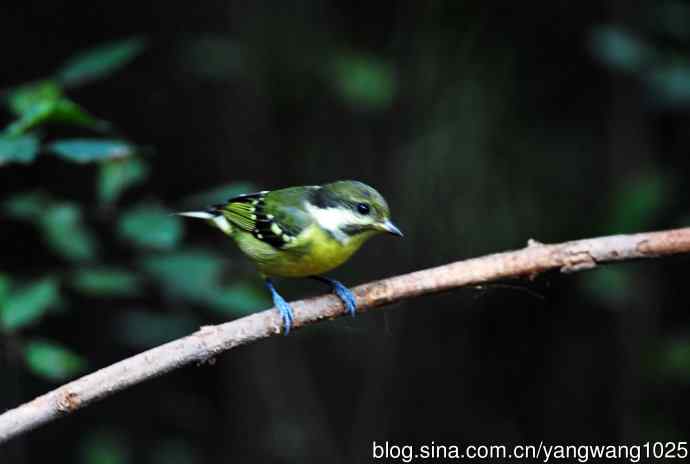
[(210, 341)]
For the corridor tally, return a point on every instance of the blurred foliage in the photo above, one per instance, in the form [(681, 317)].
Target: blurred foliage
[(569, 123), (27, 305), (619, 49), (106, 282), (87, 151), (211, 57), (611, 285), (5, 285), (201, 281), (218, 195), (364, 81), (143, 329), (44, 102), (671, 84), (202, 272), (675, 360), (18, 149), (100, 61), (664, 72), (637, 202), (61, 224), (173, 452), (53, 361), (105, 447), (118, 175), (72, 230), (150, 226)]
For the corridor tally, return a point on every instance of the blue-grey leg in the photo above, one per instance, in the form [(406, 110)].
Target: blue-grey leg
[(343, 293), (283, 307)]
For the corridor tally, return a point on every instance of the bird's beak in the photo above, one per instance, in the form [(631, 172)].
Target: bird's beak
[(391, 228)]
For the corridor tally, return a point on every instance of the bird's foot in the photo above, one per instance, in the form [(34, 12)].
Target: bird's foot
[(342, 292), (283, 307)]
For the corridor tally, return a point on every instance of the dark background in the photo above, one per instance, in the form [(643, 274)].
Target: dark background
[(482, 125)]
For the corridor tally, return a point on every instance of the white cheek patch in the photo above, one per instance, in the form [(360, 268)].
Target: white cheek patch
[(333, 219)]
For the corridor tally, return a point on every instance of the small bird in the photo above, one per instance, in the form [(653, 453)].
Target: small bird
[(302, 231)]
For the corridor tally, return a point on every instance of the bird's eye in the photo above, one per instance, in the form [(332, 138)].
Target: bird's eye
[(363, 208)]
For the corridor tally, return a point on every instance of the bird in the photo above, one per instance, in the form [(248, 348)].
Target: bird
[(302, 232)]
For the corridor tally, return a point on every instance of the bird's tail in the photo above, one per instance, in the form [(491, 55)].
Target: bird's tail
[(198, 214), (216, 218)]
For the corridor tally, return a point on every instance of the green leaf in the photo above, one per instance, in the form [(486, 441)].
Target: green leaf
[(63, 111), (60, 223), (22, 99), (28, 304), (42, 102), (52, 361), (193, 275), (238, 299), (26, 206), (116, 176), (5, 286), (610, 285), (144, 329), (105, 447), (18, 149), (64, 231), (670, 84), (89, 150), (219, 194), (618, 49), (101, 282), (150, 226), (364, 81), (636, 203), (675, 360), (100, 61), (196, 277)]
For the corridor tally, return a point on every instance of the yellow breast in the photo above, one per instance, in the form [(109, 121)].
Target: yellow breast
[(314, 251)]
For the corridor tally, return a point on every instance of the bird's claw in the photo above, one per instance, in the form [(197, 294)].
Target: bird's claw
[(346, 297), (343, 293), (285, 313), (283, 308)]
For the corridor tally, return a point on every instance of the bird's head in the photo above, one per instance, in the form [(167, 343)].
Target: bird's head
[(349, 208)]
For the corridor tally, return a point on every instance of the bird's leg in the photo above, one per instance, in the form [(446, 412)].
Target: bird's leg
[(343, 293), (283, 307)]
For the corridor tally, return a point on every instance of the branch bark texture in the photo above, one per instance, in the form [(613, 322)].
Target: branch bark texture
[(210, 341)]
